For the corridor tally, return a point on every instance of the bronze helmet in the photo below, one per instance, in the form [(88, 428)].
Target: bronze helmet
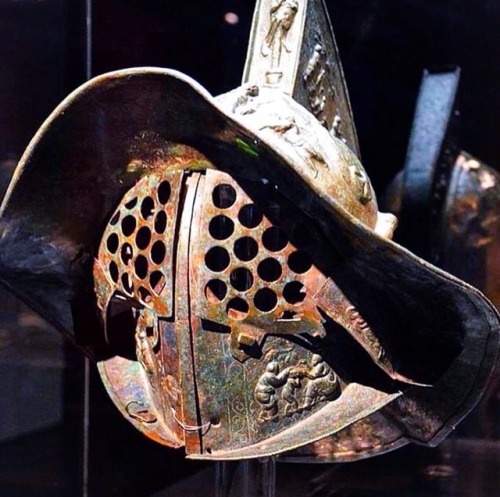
[(224, 261)]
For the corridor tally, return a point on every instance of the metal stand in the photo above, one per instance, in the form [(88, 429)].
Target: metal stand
[(250, 478)]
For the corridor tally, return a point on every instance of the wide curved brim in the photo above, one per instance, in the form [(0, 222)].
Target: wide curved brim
[(77, 168)]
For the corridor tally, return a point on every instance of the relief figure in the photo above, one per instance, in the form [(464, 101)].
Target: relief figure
[(323, 383), (283, 13), (266, 390)]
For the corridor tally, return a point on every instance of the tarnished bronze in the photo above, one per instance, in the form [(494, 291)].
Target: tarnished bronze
[(226, 263)]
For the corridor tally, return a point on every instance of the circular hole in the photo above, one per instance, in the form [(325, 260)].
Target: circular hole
[(157, 281), (221, 227), (141, 267), (145, 295), (128, 225), (241, 279), (147, 207), (112, 243), (250, 216), (265, 300), (299, 262), (113, 271), (164, 192), (293, 292), (217, 259), (237, 309), (274, 239), (215, 291), (115, 218), (126, 253), (158, 252), (128, 287), (246, 248), (161, 222), (269, 270), (143, 238), (223, 196), (131, 203)]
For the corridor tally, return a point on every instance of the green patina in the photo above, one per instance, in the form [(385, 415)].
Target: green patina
[(246, 147)]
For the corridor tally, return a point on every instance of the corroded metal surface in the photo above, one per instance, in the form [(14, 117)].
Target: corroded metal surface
[(292, 47), (226, 260)]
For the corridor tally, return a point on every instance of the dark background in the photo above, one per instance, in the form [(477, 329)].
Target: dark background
[(384, 44)]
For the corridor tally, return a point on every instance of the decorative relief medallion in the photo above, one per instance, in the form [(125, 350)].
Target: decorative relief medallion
[(282, 392)]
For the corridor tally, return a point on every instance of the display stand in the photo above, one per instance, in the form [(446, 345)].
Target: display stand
[(250, 478)]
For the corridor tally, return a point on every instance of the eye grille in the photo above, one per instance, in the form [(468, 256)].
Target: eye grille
[(136, 253), (251, 265)]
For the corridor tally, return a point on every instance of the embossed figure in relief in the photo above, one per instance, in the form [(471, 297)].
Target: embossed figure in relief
[(303, 145), (266, 391), (144, 344), (289, 392), (361, 182), (283, 14), (314, 80), (323, 383)]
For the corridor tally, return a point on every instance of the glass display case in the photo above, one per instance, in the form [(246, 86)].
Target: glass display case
[(60, 435)]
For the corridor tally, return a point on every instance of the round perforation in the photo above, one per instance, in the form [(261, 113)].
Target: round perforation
[(237, 309), (126, 253), (112, 243), (127, 284), (223, 196), (241, 279), (299, 262), (265, 300), (250, 216), (141, 267), (158, 252), (113, 271), (294, 292), (157, 281), (131, 203), (215, 291), (221, 227), (161, 222), (217, 259), (269, 270), (129, 224), (246, 249), (164, 192), (147, 208), (143, 238), (114, 220), (274, 239), (145, 295)]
